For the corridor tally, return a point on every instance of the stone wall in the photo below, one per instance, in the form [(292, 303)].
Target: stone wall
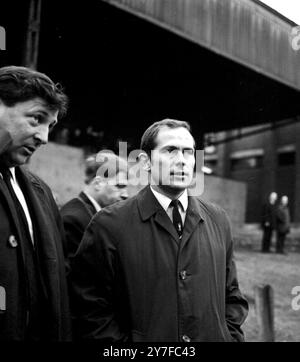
[(61, 167)]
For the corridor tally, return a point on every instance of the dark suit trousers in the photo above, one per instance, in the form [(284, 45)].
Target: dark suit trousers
[(267, 236), (280, 242)]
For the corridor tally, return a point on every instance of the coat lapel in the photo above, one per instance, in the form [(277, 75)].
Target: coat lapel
[(13, 212), (192, 219), (36, 196), (43, 220), (149, 206), (164, 221), (90, 208)]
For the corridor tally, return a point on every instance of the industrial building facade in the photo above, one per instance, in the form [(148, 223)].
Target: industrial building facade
[(227, 67), (265, 157)]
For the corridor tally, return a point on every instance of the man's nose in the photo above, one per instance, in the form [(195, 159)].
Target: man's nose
[(42, 134), (180, 157)]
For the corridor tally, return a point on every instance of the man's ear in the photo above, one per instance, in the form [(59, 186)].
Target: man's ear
[(145, 161), (98, 182)]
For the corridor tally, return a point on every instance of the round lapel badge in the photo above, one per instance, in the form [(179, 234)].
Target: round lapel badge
[(12, 241)]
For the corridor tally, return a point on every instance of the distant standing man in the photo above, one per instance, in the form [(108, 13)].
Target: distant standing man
[(283, 224), (159, 267), (269, 213), (99, 192), (34, 303)]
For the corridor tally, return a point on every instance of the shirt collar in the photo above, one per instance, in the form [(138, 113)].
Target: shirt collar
[(93, 201), (13, 173), (165, 200)]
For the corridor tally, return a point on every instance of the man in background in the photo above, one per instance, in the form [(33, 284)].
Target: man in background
[(282, 224), (99, 191), (34, 302), (268, 221)]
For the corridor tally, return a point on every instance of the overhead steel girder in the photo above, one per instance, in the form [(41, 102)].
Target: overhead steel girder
[(245, 31)]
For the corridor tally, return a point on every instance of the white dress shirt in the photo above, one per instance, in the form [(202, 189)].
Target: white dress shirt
[(22, 200), (165, 203)]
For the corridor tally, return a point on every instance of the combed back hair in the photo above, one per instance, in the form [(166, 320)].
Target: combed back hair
[(20, 84), (148, 141), (110, 164)]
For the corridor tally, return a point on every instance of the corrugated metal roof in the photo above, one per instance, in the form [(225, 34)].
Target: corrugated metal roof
[(245, 31)]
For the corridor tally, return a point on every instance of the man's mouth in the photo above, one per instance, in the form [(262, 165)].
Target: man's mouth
[(178, 173), (29, 149)]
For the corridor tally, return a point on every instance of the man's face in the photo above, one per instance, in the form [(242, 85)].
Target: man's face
[(113, 189), (173, 160), (273, 197), (28, 124)]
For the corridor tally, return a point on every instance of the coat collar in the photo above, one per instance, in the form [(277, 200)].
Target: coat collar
[(149, 206), (11, 206), (88, 201), (36, 198)]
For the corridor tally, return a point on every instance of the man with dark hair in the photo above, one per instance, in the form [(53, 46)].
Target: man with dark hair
[(100, 191), (35, 304), (159, 267)]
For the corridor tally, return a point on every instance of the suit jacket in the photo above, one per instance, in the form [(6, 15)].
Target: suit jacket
[(134, 280), (48, 225), (283, 219), (269, 212), (76, 215)]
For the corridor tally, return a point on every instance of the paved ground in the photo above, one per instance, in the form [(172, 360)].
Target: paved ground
[(282, 272), (250, 235)]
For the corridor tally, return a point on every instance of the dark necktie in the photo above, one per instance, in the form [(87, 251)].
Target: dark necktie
[(177, 221), (7, 176)]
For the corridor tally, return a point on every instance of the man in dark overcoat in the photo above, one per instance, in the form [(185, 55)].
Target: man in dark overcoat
[(283, 224), (268, 221), (34, 302), (159, 267)]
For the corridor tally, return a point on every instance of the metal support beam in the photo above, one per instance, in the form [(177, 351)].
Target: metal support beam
[(241, 135), (33, 34)]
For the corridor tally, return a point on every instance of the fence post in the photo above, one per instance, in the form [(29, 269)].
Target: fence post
[(264, 307)]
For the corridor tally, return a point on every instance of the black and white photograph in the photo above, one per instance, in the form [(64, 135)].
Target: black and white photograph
[(149, 174)]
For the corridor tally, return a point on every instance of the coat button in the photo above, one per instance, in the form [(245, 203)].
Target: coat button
[(183, 275), (186, 338), (12, 241)]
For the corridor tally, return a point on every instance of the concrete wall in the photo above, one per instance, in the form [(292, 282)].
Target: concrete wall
[(229, 194), (62, 168)]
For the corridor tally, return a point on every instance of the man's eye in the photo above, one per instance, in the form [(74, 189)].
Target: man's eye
[(37, 118), (188, 152)]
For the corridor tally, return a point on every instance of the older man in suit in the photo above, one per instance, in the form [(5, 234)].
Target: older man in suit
[(159, 267), (34, 296)]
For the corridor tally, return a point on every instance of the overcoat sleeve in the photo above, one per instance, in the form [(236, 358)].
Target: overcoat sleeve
[(74, 231), (93, 286), (236, 304)]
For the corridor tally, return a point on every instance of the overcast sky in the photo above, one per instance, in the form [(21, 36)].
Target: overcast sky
[(288, 8)]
